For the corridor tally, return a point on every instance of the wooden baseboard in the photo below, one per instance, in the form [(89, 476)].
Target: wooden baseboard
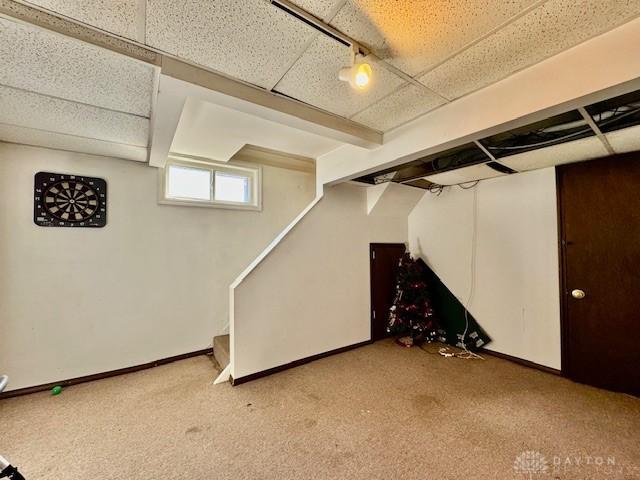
[(521, 361), (241, 380), (99, 376), (295, 363)]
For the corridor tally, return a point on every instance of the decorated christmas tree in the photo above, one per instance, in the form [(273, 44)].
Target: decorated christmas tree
[(411, 317)]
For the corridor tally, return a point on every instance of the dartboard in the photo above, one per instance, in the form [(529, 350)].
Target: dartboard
[(62, 200)]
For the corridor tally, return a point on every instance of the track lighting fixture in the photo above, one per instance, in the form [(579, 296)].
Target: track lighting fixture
[(359, 74)]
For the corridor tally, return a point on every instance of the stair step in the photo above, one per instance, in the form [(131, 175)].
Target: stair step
[(221, 350)]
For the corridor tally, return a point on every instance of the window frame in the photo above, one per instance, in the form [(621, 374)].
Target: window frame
[(253, 172)]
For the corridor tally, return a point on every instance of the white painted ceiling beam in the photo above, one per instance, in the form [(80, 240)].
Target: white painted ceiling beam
[(168, 109), (213, 131), (245, 98), (172, 96), (605, 66)]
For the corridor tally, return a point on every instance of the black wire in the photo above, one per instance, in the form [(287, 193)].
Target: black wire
[(435, 188), (470, 186), (615, 117), (540, 138), (438, 189)]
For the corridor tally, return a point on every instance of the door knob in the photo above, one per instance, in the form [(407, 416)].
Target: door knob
[(578, 294)]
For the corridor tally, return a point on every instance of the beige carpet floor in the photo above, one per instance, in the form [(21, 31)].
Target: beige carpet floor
[(378, 412)]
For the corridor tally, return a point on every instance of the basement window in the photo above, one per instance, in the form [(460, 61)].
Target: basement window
[(188, 183), (211, 184)]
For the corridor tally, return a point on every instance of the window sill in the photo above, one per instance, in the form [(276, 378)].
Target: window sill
[(205, 204)]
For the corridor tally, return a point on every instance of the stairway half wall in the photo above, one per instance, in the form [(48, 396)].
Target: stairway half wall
[(310, 294)]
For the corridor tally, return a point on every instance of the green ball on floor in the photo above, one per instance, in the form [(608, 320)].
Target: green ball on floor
[(57, 390)]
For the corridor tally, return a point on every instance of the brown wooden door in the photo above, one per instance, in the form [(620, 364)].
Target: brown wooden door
[(384, 258), (599, 207)]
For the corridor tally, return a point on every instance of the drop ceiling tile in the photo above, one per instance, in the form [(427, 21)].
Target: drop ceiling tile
[(314, 79), (464, 175), (625, 140), (546, 31), (318, 8), (251, 40), (415, 35), (115, 16), (406, 103), (577, 151), (32, 110), (60, 141), (45, 62)]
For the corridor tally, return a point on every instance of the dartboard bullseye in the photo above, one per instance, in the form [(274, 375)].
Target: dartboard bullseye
[(62, 200)]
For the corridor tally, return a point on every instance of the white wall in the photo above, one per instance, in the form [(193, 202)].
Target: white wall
[(517, 282), (310, 294), (153, 283)]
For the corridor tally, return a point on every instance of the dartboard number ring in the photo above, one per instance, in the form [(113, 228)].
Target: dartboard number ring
[(62, 200)]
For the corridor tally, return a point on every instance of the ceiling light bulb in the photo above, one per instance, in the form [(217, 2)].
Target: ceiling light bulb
[(362, 75), (358, 75)]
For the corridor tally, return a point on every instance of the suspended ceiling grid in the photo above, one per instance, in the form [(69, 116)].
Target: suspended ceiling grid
[(59, 92), (598, 130), (447, 48)]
